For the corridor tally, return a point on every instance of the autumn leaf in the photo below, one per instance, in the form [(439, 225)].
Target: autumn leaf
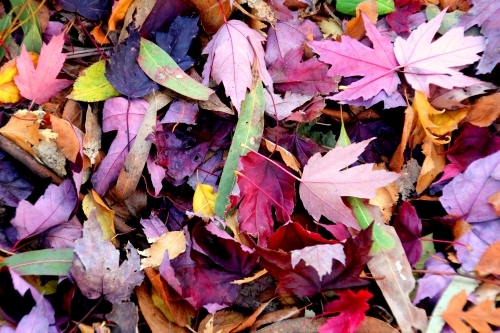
[(478, 317), (323, 183), (22, 129), (92, 85), (9, 92), (204, 200), (40, 84), (96, 267), (231, 57)]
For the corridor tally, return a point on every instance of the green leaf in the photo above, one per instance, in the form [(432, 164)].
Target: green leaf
[(449, 20), (41, 262), (349, 6), (30, 24), (326, 140), (162, 69), (5, 22), (381, 239), (248, 133), (92, 85)]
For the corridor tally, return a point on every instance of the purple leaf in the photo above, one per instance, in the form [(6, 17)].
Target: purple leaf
[(409, 229), (153, 227), (163, 14), (38, 320), (308, 77), (478, 239), (289, 36), (157, 174), (282, 108), (208, 172), (91, 9), (123, 71), (51, 209), (126, 118), (177, 41), (63, 235), (13, 188), (181, 112), (96, 268), (468, 193), (433, 285)]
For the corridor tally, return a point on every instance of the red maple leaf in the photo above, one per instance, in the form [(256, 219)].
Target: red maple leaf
[(40, 84), (352, 309)]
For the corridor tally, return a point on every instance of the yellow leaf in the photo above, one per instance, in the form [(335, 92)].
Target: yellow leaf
[(204, 200), (289, 159), (331, 27), (173, 241), (433, 164), (436, 124), (9, 93), (92, 85), (103, 213), (22, 129)]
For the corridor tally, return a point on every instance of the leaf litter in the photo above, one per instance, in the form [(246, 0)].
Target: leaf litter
[(134, 198)]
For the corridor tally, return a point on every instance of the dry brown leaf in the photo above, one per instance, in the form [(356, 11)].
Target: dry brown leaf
[(490, 261), (385, 197), (136, 159), (67, 138), (211, 14), (22, 129), (461, 228), (180, 310), (397, 159), (374, 325), (153, 316), (478, 317), (289, 159), (92, 137), (487, 291), (275, 317), (73, 113), (261, 10), (223, 321), (173, 241), (485, 111), (433, 164), (49, 153), (250, 278), (454, 5), (302, 325), (494, 200), (249, 321), (355, 28), (138, 12)]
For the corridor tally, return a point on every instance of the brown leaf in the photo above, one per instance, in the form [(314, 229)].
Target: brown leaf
[(494, 200), (478, 317), (355, 28), (397, 159), (490, 261), (22, 129), (289, 159), (92, 137), (374, 325), (433, 164), (385, 197), (67, 138), (223, 322), (297, 325), (73, 113), (484, 112), (275, 317), (211, 13), (154, 317)]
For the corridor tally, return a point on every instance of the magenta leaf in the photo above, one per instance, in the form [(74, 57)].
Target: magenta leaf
[(96, 267), (126, 117), (263, 185), (309, 77), (153, 227), (399, 19), (377, 65), (63, 235), (292, 236), (51, 209)]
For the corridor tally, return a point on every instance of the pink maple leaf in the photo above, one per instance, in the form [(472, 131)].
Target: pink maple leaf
[(352, 309), (426, 62), (351, 58), (40, 84), (324, 183), (231, 57)]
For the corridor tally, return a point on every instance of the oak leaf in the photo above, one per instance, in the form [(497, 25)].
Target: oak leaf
[(40, 84), (479, 317), (324, 182)]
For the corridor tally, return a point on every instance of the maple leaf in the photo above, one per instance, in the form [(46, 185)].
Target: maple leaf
[(40, 84), (308, 77), (304, 280), (479, 317), (125, 117), (352, 309), (484, 13), (263, 185), (51, 209), (96, 267), (426, 62), (351, 58), (231, 54), (323, 183)]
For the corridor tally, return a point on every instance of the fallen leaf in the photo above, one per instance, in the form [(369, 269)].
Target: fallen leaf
[(485, 111), (22, 129), (489, 262), (103, 214), (409, 229), (87, 8), (40, 84), (204, 200), (13, 186), (399, 19), (96, 268), (9, 93), (92, 85), (355, 28), (479, 317), (323, 183), (172, 243), (118, 14)]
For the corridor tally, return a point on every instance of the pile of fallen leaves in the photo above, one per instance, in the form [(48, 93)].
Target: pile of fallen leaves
[(249, 166)]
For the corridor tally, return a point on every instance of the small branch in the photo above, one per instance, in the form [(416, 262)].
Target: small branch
[(470, 276)]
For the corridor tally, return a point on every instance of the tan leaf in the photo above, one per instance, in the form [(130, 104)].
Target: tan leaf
[(211, 14), (22, 129), (485, 111), (433, 164), (173, 241), (73, 113), (104, 215), (92, 137), (490, 261), (67, 139), (289, 159)]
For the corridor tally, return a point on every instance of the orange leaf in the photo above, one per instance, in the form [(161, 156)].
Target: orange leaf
[(67, 139), (479, 317), (484, 111), (355, 28), (22, 129), (490, 261), (118, 13)]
